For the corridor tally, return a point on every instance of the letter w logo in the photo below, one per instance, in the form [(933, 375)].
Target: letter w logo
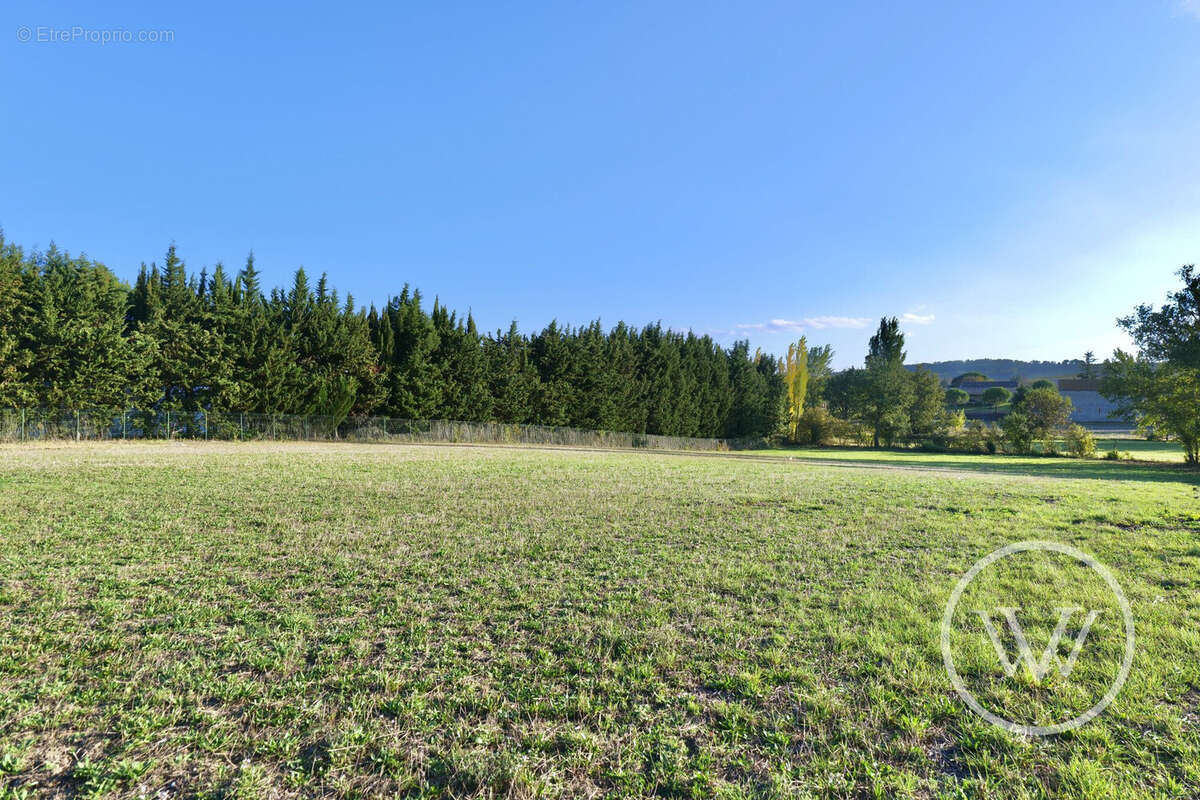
[(1039, 668)]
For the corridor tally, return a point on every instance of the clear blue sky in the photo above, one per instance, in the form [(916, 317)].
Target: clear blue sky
[(1011, 176)]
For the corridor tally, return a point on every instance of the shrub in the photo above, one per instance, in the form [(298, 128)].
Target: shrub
[(979, 438), (937, 443), (817, 426), (861, 434), (973, 437), (952, 421), (1080, 442), (1018, 438)]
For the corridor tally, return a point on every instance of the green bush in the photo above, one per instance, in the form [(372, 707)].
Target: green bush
[(937, 443), (1080, 442), (818, 427), (952, 421), (978, 437), (973, 437), (1018, 437)]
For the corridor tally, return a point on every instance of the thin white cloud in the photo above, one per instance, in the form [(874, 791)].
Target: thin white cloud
[(917, 319), (837, 322), (807, 323), (1189, 7)]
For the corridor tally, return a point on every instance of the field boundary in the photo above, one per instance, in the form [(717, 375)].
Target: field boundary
[(23, 424), (1125, 470), (1005, 469)]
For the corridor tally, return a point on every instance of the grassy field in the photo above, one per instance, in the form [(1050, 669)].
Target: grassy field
[(1146, 460), (1141, 449), (1133, 449), (358, 621)]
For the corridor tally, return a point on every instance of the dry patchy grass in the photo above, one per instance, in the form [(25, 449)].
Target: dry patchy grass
[(350, 621)]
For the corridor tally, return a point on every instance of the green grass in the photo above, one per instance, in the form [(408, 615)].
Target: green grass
[(1142, 449), (1152, 461), (357, 621)]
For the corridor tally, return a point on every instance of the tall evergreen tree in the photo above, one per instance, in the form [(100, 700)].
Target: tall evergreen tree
[(15, 358), (71, 334), (415, 389), (888, 390), (750, 413), (189, 362), (514, 382), (77, 353), (551, 350)]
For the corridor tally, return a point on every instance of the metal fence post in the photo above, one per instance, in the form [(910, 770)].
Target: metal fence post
[(22, 423), (77, 424), (168, 424), (206, 424)]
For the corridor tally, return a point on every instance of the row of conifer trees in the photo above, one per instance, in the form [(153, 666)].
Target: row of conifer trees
[(72, 335)]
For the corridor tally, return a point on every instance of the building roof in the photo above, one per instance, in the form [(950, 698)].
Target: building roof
[(1078, 385)]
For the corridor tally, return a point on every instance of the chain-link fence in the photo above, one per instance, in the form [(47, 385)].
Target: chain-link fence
[(17, 425)]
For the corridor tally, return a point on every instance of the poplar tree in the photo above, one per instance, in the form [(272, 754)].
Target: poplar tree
[(795, 377)]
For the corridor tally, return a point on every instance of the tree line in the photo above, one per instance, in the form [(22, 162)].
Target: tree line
[(72, 335)]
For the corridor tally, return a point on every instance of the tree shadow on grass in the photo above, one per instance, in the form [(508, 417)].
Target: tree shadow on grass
[(1048, 467)]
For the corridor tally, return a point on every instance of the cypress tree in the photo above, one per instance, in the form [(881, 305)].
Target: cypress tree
[(71, 334), (748, 414), (551, 351), (513, 380), (414, 380), (15, 358)]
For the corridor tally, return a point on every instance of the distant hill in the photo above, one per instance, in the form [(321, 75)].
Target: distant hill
[(1003, 369)]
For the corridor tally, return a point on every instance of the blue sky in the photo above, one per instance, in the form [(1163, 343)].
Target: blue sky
[(1006, 177)]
